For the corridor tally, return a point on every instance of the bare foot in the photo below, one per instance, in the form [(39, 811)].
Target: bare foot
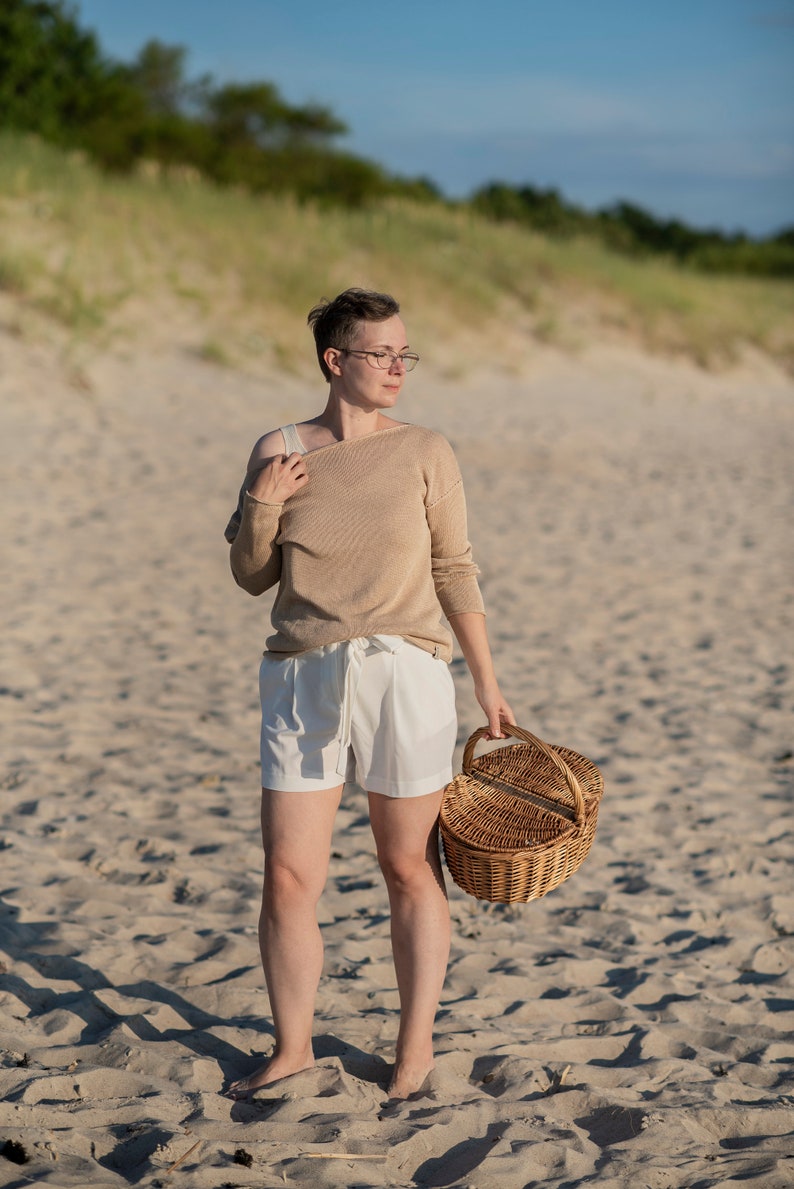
[(274, 1070), (407, 1079)]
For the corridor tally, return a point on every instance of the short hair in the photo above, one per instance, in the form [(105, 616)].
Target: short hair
[(335, 323)]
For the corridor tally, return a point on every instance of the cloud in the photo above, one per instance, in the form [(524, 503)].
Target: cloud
[(534, 156), (719, 157), (477, 104)]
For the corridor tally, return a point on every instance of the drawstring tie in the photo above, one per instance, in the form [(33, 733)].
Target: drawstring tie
[(352, 653)]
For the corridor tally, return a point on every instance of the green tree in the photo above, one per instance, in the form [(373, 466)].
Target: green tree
[(55, 81), (158, 73), (50, 70), (255, 115)]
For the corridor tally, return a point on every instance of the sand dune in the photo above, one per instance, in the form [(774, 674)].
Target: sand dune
[(633, 1028)]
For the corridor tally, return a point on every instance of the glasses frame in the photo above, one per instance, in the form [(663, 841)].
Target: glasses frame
[(404, 357)]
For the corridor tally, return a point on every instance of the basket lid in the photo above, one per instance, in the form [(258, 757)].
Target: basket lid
[(520, 797)]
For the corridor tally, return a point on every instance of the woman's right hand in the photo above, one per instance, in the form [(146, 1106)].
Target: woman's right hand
[(279, 478)]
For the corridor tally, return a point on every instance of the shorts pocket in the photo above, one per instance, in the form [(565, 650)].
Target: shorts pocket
[(316, 702), (277, 693)]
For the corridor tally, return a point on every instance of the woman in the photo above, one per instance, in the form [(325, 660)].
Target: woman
[(361, 521)]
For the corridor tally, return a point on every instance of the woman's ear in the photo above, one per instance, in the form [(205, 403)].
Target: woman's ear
[(332, 356)]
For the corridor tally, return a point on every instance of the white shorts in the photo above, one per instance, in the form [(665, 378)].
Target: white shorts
[(376, 710)]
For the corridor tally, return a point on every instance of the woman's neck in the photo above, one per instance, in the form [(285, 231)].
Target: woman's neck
[(344, 420)]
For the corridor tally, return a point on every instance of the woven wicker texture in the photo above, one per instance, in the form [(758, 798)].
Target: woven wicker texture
[(519, 820)]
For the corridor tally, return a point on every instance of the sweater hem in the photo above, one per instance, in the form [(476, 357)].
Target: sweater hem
[(442, 649)]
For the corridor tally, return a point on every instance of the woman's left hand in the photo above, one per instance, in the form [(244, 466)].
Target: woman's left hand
[(496, 709)]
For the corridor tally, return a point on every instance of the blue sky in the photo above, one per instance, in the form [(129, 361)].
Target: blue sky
[(684, 106)]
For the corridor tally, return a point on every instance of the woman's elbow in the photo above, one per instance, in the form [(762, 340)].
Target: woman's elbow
[(255, 583)]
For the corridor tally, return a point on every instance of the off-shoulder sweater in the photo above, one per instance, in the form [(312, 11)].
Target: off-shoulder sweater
[(374, 543)]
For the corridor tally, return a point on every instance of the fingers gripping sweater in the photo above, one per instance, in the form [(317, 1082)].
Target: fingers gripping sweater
[(376, 542)]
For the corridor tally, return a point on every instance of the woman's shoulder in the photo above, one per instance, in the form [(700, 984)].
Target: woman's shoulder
[(430, 441), (434, 451), (429, 452), (268, 446)]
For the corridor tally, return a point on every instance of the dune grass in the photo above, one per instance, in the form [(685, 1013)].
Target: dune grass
[(232, 275)]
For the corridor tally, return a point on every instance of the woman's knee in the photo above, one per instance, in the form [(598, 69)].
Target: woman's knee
[(288, 883), (406, 871)]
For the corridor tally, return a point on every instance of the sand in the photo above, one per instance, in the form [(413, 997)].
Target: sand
[(634, 1028)]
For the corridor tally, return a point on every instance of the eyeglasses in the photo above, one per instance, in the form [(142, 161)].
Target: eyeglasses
[(385, 360)]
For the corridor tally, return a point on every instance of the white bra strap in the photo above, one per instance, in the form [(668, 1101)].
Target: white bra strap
[(292, 443)]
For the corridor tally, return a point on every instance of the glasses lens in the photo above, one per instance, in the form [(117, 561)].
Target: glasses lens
[(386, 361)]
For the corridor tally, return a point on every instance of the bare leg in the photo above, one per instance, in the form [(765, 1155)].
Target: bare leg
[(296, 836), (405, 832)]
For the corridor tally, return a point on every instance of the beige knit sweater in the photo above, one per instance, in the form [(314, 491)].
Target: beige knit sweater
[(374, 543)]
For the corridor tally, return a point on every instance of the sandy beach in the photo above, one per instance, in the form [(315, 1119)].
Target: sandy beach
[(634, 1028)]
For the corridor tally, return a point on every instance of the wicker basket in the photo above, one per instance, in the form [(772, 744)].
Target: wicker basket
[(519, 820)]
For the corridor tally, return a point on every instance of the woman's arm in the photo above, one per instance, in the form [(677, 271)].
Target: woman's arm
[(272, 478), (255, 557), (455, 580), (471, 634)]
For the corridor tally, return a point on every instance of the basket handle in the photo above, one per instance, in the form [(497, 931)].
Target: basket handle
[(527, 737)]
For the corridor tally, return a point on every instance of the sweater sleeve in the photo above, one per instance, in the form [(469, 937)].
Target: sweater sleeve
[(255, 557), (454, 572), (233, 527)]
